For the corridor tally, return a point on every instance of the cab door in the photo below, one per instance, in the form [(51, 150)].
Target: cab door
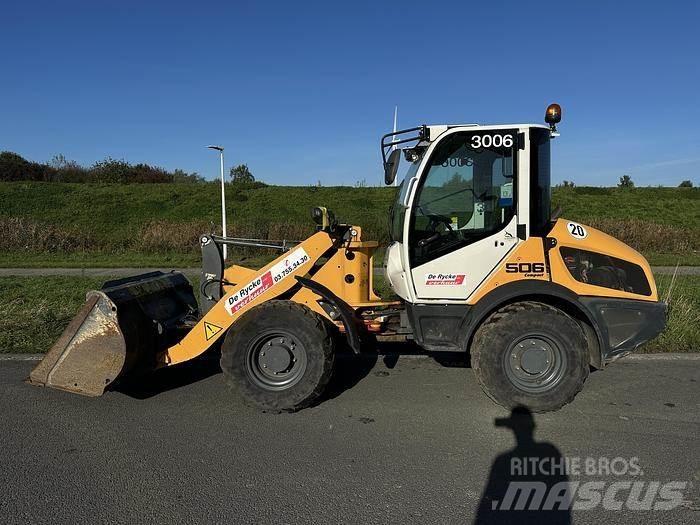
[(463, 218)]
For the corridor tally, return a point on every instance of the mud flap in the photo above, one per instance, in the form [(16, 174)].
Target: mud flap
[(119, 331)]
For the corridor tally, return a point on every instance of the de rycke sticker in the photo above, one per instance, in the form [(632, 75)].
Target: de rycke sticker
[(444, 279), (576, 230), (261, 284)]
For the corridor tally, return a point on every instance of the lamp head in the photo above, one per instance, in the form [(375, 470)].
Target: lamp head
[(553, 116)]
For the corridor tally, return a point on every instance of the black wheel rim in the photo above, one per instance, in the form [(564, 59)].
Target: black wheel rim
[(276, 360), (535, 363)]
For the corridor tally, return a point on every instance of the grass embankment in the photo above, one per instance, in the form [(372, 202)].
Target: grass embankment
[(36, 310), (112, 225)]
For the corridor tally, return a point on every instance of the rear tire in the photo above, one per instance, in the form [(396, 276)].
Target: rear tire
[(530, 354), (279, 356)]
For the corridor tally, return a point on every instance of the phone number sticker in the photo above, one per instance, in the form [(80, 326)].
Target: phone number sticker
[(271, 277)]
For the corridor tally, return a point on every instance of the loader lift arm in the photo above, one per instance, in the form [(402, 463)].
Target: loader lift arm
[(270, 282)]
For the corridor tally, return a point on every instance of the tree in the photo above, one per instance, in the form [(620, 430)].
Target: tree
[(569, 184), (685, 184), (68, 170), (626, 182), (182, 176), (112, 170), (241, 174), (13, 167)]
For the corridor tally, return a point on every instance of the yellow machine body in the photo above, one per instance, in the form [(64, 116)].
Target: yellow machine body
[(537, 263), (347, 272)]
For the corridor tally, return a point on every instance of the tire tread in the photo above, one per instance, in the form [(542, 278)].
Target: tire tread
[(261, 399), (494, 322)]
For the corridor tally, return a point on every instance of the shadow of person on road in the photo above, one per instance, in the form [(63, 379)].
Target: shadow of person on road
[(527, 484)]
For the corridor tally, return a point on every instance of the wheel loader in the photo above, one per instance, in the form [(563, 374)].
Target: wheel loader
[(477, 260)]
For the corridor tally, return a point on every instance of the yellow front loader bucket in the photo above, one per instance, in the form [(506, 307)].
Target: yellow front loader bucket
[(119, 331)]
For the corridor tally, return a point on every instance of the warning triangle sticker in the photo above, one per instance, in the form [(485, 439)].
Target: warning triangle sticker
[(210, 330)]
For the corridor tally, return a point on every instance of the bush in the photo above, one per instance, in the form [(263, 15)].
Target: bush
[(645, 236), (165, 236), (22, 234), (111, 170), (162, 236), (68, 170), (626, 182), (241, 174), (14, 167), (180, 176)]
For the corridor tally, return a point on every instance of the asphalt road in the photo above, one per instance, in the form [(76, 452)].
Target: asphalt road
[(411, 441)]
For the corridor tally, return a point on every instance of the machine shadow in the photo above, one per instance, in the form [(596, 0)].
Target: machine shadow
[(528, 483), (452, 359), (349, 370), (171, 378)]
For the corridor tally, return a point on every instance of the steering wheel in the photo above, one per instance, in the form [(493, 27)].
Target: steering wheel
[(437, 219)]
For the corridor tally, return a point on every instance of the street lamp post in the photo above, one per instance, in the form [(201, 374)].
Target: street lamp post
[(220, 149)]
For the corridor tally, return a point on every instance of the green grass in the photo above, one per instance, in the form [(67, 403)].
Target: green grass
[(89, 259), (90, 225), (112, 214), (682, 333), (673, 259), (36, 310), (98, 259), (670, 206)]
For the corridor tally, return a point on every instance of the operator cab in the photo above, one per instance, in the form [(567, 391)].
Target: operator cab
[(469, 195)]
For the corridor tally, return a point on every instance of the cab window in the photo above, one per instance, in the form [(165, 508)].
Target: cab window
[(467, 195)]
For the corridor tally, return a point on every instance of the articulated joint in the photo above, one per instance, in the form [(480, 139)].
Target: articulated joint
[(346, 313)]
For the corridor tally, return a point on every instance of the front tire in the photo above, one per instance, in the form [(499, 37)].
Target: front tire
[(279, 356), (530, 354)]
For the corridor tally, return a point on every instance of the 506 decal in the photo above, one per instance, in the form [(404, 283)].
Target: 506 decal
[(529, 269)]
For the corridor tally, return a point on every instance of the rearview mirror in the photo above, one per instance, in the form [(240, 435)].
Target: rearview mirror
[(391, 166)]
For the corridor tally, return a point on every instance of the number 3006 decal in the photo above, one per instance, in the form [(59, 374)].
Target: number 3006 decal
[(488, 141)]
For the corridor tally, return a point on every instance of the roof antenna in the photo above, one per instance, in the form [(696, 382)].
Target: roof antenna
[(396, 118)]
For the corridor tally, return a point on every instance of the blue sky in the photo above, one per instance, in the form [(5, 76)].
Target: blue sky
[(302, 91)]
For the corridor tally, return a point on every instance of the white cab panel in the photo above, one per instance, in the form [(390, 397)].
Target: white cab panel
[(394, 272), (458, 274)]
